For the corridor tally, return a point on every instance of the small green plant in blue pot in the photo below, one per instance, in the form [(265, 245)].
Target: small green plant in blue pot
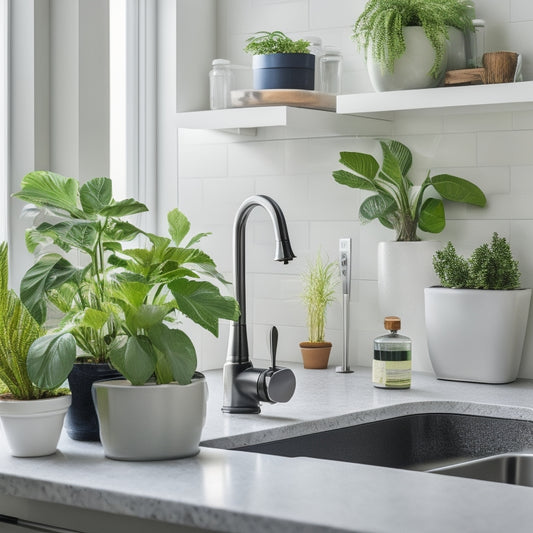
[(280, 62)]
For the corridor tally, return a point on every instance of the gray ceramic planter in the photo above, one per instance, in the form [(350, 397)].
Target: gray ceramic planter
[(284, 71), (150, 422)]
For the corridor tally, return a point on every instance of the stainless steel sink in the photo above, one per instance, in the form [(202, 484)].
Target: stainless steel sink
[(512, 468), (416, 442)]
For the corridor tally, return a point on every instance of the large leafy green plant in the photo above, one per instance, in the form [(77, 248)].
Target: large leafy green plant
[(18, 330), (491, 266), (319, 283), (94, 298), (380, 26), (276, 42), (156, 284), (396, 202)]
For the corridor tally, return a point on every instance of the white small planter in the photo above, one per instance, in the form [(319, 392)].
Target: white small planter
[(405, 269), (150, 422), (411, 69), (476, 335), (33, 427)]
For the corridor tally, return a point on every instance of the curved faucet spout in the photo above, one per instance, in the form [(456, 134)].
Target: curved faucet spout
[(238, 359)]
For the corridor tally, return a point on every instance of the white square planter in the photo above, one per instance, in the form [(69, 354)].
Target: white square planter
[(476, 335)]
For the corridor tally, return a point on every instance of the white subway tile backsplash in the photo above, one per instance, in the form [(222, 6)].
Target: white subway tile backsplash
[(462, 122), (521, 10), (505, 148), (522, 179), (218, 171), (203, 161), (256, 158)]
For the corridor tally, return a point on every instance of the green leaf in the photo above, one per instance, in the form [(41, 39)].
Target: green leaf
[(177, 350), (120, 230), (402, 154), (95, 195), (123, 208), (82, 236), (458, 190), (363, 164), (147, 316), (202, 302), (47, 189), (139, 360), (376, 206), (351, 180), (432, 218), (93, 318), (133, 292), (50, 271), (391, 165), (34, 238), (50, 360), (198, 237), (178, 226)]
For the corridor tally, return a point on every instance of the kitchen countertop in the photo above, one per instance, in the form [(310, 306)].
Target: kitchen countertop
[(225, 490)]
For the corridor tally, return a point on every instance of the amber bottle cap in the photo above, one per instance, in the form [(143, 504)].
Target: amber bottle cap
[(393, 323)]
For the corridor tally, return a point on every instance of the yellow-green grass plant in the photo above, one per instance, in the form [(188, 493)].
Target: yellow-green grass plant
[(320, 281)]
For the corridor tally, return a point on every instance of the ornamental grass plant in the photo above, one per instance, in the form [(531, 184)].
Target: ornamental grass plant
[(319, 283)]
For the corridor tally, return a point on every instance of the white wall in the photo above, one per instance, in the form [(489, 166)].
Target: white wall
[(217, 171)]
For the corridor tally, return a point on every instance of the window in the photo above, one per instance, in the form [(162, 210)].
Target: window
[(4, 117)]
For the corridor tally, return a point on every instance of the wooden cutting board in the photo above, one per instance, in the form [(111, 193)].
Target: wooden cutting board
[(290, 97)]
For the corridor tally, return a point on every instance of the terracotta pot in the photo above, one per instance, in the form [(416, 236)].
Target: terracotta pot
[(315, 354)]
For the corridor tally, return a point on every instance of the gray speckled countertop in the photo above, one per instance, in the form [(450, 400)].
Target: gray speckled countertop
[(226, 490)]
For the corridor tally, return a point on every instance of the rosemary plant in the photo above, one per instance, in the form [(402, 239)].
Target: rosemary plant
[(489, 267)]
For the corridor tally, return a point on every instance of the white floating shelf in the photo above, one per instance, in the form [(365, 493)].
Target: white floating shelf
[(475, 98), (296, 121)]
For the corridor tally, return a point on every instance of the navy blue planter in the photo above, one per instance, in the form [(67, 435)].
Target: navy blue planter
[(284, 71), (81, 421)]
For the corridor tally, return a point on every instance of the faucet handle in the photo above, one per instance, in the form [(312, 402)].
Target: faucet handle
[(273, 346)]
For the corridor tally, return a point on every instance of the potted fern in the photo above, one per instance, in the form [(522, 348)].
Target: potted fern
[(476, 320), (280, 62), (32, 418), (405, 41), (319, 283), (404, 265)]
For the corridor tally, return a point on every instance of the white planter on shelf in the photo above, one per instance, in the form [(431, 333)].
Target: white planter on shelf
[(476, 335), (33, 427), (405, 269), (412, 68), (150, 422)]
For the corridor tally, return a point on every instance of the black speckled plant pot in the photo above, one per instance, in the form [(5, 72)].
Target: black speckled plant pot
[(81, 421)]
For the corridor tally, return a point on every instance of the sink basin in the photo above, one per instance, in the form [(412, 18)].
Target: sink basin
[(416, 442), (513, 468)]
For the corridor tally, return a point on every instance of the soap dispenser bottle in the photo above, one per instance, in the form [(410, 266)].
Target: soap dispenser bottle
[(391, 367)]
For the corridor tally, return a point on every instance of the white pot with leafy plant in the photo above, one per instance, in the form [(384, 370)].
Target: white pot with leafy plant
[(404, 265), (476, 320), (87, 220), (159, 412), (319, 283), (405, 41), (279, 62), (32, 418)]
